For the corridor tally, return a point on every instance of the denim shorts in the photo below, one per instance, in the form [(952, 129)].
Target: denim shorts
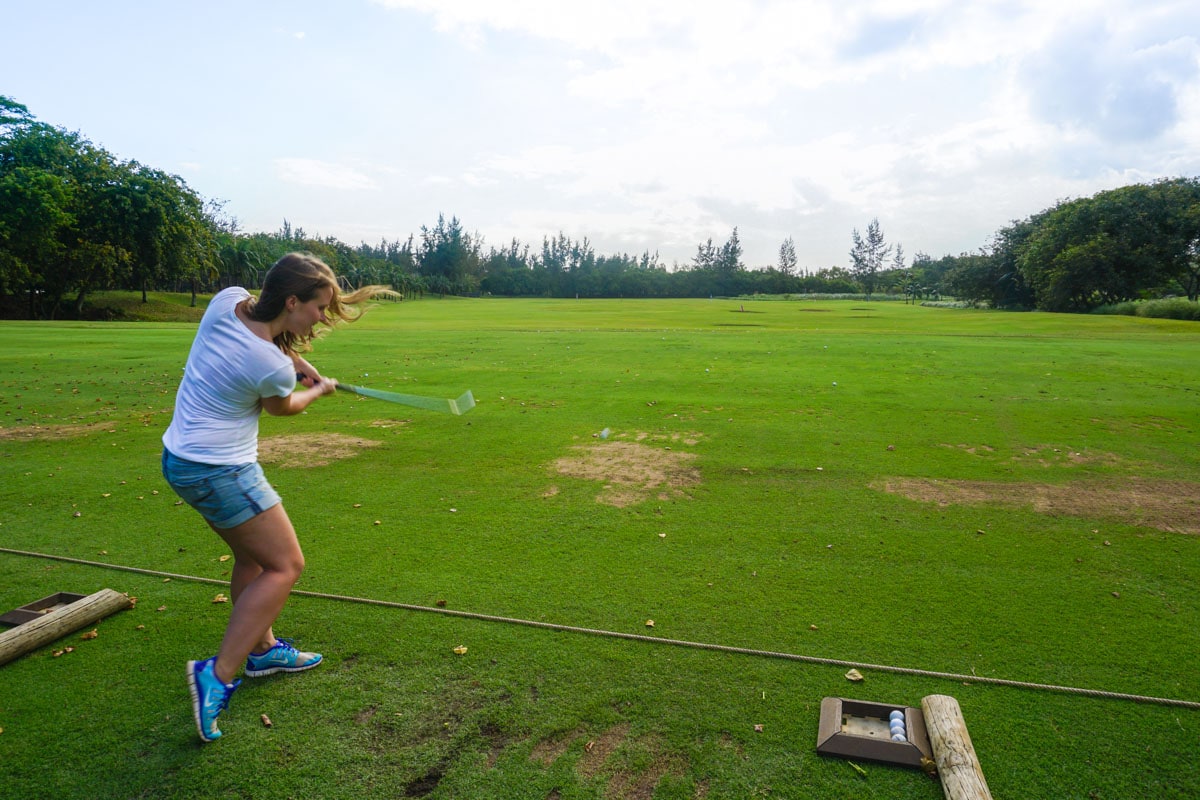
[(225, 494)]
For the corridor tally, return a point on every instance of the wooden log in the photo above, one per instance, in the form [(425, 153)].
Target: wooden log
[(22, 639), (953, 754)]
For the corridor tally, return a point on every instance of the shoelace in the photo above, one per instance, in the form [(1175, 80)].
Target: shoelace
[(286, 645), (226, 693)]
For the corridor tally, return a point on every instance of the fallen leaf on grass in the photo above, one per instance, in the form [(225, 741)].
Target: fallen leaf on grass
[(266, 721), (223, 558), (92, 634), (758, 728), (649, 623), (461, 649), (220, 598), (854, 675), (162, 608)]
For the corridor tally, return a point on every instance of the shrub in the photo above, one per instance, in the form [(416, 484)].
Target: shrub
[(1125, 309), (1169, 308)]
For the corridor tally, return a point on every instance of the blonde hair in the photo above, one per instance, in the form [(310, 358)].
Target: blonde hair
[(303, 275)]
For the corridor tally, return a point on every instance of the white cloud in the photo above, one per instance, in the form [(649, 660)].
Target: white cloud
[(323, 174)]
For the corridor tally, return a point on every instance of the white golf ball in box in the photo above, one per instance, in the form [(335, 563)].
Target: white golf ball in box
[(896, 715), (899, 737)]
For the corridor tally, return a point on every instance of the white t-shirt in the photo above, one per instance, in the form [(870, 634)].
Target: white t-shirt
[(229, 370)]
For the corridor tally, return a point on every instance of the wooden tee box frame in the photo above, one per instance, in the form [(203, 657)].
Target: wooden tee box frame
[(39, 608), (859, 729), (43, 621), (936, 732)]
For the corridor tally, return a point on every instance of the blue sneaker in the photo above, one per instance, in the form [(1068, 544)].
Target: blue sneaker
[(209, 696), (282, 657)]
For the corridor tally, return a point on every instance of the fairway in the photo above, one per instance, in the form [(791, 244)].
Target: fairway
[(1007, 496)]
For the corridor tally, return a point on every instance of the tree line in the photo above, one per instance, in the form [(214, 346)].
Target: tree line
[(74, 219), (1135, 242)]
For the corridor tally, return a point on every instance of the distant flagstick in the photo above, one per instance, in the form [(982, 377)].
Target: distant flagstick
[(457, 406)]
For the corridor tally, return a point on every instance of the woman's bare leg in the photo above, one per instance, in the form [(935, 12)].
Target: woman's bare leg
[(245, 570), (267, 563)]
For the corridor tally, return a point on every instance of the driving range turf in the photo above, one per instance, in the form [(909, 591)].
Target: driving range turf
[(998, 495)]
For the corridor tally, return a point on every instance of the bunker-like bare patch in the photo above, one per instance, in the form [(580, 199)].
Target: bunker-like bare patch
[(56, 432), (310, 449), (632, 472), (1165, 505)]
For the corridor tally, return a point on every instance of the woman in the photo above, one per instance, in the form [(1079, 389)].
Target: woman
[(245, 360)]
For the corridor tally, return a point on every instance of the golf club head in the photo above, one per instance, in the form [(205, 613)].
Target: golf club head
[(463, 404)]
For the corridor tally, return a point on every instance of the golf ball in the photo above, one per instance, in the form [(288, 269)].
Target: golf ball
[(899, 737), (896, 715), (897, 729)]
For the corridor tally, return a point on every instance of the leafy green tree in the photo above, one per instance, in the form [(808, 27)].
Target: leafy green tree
[(448, 258), (1117, 245), (13, 113), (868, 256), (76, 219), (33, 216), (787, 257), (706, 256), (729, 260)]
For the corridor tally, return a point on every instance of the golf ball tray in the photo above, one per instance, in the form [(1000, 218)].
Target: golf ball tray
[(893, 734)]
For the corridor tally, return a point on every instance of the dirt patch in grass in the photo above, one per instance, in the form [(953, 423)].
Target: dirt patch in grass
[(597, 750), (1044, 455), (631, 471), (1165, 505), (310, 449), (639, 783), (624, 781), (56, 432), (547, 751)]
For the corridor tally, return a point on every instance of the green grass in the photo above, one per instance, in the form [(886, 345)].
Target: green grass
[(786, 528)]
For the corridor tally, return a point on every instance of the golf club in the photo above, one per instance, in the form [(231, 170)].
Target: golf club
[(457, 406)]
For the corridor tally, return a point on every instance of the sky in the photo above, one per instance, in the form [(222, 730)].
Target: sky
[(638, 125)]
